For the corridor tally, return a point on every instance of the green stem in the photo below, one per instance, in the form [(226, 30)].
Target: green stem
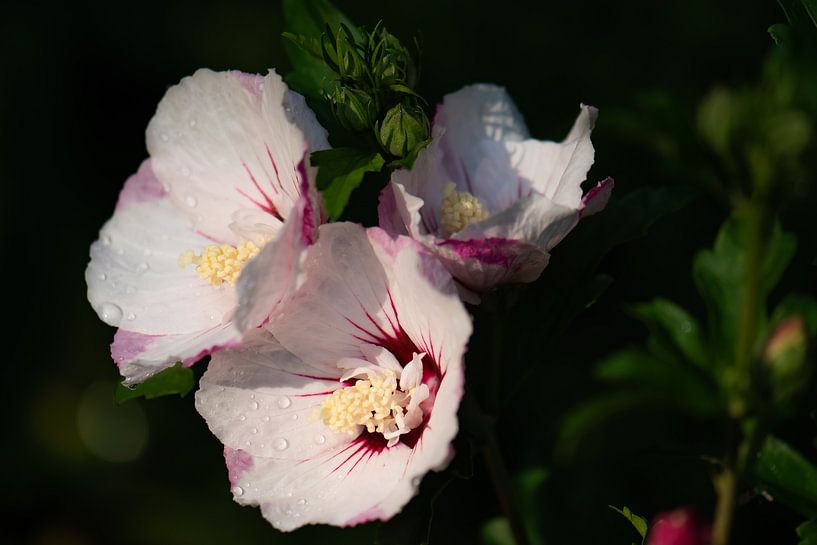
[(739, 451), (504, 490)]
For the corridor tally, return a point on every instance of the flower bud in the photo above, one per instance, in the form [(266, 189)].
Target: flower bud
[(354, 109), (785, 358), (404, 127), (679, 527)]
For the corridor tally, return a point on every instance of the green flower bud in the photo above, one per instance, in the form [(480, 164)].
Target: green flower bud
[(404, 127), (785, 358), (355, 109)]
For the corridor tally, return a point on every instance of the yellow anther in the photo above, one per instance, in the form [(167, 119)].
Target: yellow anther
[(375, 403), (458, 209), (220, 263)]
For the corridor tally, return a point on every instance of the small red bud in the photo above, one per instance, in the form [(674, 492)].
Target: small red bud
[(679, 527)]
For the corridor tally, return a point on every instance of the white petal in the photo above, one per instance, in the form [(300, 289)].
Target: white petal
[(260, 398), (134, 279), (557, 170), (140, 356), (269, 278), (227, 141), (380, 357)]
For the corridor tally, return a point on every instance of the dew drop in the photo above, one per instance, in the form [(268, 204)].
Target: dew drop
[(102, 276), (131, 316), (106, 240), (164, 137), (191, 201), (254, 430), (295, 417), (288, 511), (142, 267), (284, 402), (302, 502), (147, 252), (111, 314), (266, 419), (280, 444), (120, 251), (254, 404), (192, 122), (242, 417), (238, 491), (320, 439), (415, 481)]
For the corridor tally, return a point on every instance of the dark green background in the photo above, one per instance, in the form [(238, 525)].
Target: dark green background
[(79, 85)]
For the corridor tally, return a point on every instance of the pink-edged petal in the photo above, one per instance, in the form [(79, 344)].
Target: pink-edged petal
[(596, 198), (260, 398), (269, 278), (557, 170), (482, 264), (134, 279), (141, 356), (420, 194), (227, 141), (534, 220)]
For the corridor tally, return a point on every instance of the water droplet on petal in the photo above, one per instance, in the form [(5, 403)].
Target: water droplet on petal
[(254, 404), (120, 251), (320, 439), (164, 137), (192, 122), (280, 444), (142, 267), (295, 417), (106, 240), (102, 276), (147, 252), (191, 201), (265, 419), (111, 314), (238, 491), (242, 417), (131, 316), (255, 430), (284, 402), (302, 502)]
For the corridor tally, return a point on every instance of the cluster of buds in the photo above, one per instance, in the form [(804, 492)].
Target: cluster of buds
[(374, 92)]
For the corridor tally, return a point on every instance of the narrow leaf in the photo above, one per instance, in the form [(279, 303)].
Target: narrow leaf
[(176, 380), (787, 476)]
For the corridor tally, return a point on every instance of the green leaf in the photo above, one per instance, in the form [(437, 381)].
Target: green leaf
[(674, 326), (639, 523), (787, 476), (780, 33), (175, 380), (719, 275), (340, 171), (496, 531), (306, 20), (667, 380), (807, 532)]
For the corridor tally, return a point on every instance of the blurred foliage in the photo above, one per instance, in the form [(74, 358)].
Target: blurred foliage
[(684, 103)]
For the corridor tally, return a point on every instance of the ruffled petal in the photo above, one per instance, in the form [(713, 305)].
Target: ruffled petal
[(269, 278), (227, 141), (134, 279), (557, 170), (482, 264), (140, 356)]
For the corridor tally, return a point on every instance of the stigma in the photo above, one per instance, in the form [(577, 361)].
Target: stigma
[(458, 209), (220, 263)]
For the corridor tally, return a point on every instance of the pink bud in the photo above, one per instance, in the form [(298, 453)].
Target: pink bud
[(679, 527)]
